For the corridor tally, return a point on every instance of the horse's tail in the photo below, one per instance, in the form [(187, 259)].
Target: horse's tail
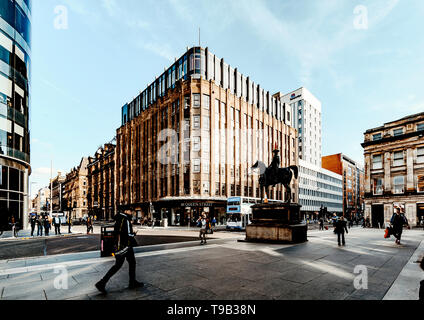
[(295, 170)]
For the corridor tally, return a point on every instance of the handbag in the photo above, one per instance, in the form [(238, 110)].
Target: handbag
[(387, 233)]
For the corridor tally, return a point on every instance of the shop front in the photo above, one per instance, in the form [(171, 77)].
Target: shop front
[(187, 212)]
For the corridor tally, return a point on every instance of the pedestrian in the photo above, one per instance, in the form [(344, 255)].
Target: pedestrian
[(69, 223), (213, 222), (40, 223), (321, 224), (14, 224), (203, 228), (125, 242), (33, 223), (56, 223), (398, 221), (421, 294), (47, 226), (89, 225), (340, 228), (334, 219), (368, 222)]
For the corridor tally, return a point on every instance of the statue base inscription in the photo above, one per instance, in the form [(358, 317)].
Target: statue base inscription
[(277, 223)]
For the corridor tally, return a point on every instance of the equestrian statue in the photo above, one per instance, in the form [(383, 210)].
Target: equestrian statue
[(274, 175)]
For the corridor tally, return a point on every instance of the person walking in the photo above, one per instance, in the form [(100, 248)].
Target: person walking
[(334, 219), (33, 223), (203, 228), (90, 225), (40, 224), (56, 223), (46, 226), (321, 224), (125, 242), (340, 228), (69, 223), (398, 221)]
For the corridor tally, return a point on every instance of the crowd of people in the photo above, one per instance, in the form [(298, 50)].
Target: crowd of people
[(45, 223)]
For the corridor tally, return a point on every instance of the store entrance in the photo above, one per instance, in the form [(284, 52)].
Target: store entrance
[(420, 214), (377, 215)]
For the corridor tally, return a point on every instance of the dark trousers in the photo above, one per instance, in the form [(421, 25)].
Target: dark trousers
[(32, 230), (69, 228), (118, 265), (397, 233), (57, 229), (39, 230), (342, 236)]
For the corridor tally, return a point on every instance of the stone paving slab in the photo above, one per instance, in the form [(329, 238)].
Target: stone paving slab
[(230, 270), (407, 284)]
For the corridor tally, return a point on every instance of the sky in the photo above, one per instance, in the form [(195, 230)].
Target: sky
[(362, 59)]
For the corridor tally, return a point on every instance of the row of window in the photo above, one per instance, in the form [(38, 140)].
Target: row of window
[(13, 14), (398, 183), (313, 193), (319, 175), (305, 203), (193, 62), (397, 132), (399, 159)]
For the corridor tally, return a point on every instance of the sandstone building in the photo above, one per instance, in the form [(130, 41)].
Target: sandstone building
[(218, 122), (75, 191), (101, 183), (394, 169)]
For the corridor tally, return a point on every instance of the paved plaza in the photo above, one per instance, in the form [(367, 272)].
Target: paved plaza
[(227, 269)]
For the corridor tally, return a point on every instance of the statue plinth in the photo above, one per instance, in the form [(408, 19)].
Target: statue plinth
[(277, 223)]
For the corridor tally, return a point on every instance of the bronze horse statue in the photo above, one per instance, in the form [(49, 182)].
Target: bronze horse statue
[(275, 175)]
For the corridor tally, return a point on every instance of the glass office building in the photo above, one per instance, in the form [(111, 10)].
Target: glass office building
[(15, 66)]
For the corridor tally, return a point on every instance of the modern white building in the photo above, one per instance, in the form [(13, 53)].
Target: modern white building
[(305, 116), (319, 188)]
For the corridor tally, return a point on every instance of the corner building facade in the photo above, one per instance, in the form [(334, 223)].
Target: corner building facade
[(394, 170), (218, 122), (15, 66)]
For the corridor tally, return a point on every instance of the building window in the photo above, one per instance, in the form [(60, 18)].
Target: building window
[(376, 137), (399, 184), (398, 159), (206, 187), (196, 166), (196, 122), (196, 100), (420, 186), (378, 186), (206, 102), (377, 162), (196, 144), (398, 132), (420, 155), (420, 127)]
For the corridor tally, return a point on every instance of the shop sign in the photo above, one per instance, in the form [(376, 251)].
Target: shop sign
[(196, 204)]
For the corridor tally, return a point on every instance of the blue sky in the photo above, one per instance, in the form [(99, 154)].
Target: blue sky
[(82, 75)]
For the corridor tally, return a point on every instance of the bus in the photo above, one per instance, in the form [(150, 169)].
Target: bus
[(239, 212)]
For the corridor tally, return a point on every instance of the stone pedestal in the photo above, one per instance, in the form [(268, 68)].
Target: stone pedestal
[(276, 223)]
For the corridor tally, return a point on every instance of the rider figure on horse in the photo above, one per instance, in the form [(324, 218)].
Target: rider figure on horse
[(275, 164)]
